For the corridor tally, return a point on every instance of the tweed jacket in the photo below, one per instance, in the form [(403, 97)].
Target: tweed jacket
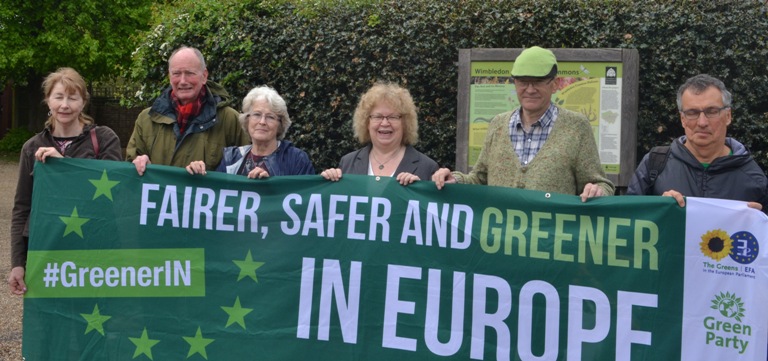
[(567, 161)]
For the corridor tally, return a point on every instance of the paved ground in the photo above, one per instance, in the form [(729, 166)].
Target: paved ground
[(11, 307)]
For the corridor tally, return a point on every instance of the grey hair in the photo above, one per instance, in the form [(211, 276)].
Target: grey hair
[(197, 52), (698, 84), (276, 103)]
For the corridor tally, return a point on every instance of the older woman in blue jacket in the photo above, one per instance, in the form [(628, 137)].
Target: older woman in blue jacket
[(265, 118)]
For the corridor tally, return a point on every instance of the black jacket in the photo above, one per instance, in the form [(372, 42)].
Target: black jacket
[(413, 162), (736, 176)]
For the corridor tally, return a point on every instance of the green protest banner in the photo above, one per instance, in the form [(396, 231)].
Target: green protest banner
[(171, 266)]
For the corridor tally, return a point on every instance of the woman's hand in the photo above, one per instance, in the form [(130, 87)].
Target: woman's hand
[(16, 281), (332, 174), (196, 167), (45, 152), (258, 173), (406, 178)]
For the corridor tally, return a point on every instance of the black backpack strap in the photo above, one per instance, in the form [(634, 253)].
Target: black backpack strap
[(657, 160)]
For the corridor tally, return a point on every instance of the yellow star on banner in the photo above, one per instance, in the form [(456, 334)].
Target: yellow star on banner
[(248, 267), (95, 320), (198, 343), (74, 223), (143, 344), (236, 313), (103, 186)]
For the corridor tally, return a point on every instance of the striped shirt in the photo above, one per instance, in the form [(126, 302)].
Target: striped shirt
[(528, 144)]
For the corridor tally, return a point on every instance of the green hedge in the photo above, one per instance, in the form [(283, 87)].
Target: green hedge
[(14, 140), (321, 56)]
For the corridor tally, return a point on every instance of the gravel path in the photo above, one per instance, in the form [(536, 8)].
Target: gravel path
[(11, 307)]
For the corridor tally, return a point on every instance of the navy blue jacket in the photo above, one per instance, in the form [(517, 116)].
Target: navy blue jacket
[(286, 160)]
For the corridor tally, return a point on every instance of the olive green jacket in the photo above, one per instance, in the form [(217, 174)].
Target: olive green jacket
[(567, 161), (157, 135)]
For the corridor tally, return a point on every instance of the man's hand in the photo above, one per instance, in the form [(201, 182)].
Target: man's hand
[(141, 163), (755, 205), (676, 195), (591, 190), (196, 167), (443, 176)]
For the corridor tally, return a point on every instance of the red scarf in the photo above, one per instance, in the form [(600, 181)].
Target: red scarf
[(186, 111)]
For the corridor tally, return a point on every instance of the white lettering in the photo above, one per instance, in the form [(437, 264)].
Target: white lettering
[(204, 200), (355, 217), (348, 309), (551, 321), (314, 216), (305, 297), (394, 306), (412, 224), (146, 205), (432, 321), (223, 210), (333, 213), (379, 218), (625, 335), (458, 210), (481, 318), (292, 229), (577, 334)]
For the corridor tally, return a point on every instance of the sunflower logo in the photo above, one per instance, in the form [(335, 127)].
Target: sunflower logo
[(716, 244), (729, 305)]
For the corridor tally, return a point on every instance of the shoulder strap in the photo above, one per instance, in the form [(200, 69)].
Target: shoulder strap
[(95, 142), (657, 160)]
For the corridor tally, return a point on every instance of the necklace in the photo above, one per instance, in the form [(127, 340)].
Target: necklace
[(381, 164)]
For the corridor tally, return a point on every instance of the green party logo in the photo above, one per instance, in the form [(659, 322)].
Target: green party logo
[(729, 305), (725, 333)]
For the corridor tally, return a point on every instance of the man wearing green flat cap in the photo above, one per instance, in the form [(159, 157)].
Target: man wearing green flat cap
[(538, 146)]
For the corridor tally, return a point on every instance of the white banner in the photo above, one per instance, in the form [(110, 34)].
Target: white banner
[(725, 309)]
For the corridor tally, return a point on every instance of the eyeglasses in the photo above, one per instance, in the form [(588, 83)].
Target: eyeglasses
[(378, 118), (259, 116), (711, 112), (538, 83)]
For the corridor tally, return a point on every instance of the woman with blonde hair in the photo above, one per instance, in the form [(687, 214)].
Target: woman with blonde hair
[(385, 122)]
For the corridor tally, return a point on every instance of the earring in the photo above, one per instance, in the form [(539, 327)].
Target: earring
[(49, 113)]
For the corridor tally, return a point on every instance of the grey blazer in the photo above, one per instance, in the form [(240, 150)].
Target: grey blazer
[(413, 162)]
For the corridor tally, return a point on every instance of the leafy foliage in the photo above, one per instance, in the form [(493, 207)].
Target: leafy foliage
[(94, 37), (322, 55), (14, 140)]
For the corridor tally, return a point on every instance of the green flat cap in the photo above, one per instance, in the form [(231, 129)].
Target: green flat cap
[(535, 62)]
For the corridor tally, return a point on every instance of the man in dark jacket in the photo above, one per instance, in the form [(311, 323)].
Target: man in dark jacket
[(191, 120), (703, 162)]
